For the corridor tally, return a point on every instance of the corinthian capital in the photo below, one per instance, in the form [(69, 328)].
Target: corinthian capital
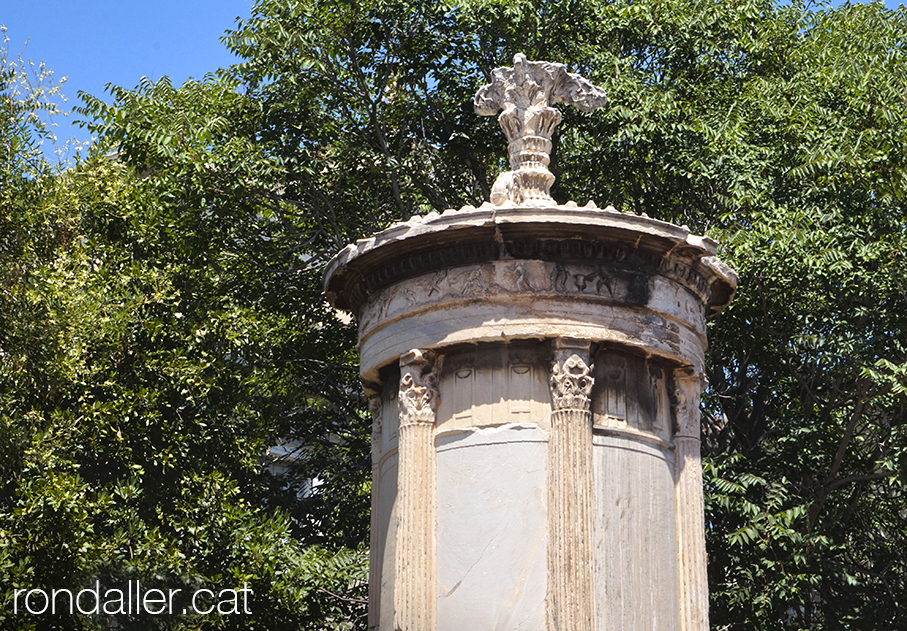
[(418, 387), (571, 375)]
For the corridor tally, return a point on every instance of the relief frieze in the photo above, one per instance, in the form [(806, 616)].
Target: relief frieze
[(532, 278), (595, 256)]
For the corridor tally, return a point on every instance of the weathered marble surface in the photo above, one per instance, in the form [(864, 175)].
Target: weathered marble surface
[(486, 293), (550, 217), (491, 532), (481, 303), (631, 394), (571, 495), (636, 558), (510, 273), (383, 556), (494, 385), (415, 559), (493, 475)]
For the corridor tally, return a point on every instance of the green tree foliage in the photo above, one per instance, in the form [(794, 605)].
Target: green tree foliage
[(194, 334), (777, 129), (154, 343)]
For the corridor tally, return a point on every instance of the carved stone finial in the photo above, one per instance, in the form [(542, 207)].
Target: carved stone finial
[(526, 93)]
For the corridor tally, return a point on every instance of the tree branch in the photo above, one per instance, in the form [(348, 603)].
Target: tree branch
[(857, 478), (829, 484)]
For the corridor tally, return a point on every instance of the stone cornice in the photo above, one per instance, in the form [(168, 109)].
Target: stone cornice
[(571, 233)]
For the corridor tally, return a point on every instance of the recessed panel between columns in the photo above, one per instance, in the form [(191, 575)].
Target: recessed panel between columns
[(501, 462)]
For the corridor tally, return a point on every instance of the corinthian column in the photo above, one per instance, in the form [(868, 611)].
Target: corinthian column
[(414, 594), (374, 576), (694, 588), (570, 493)]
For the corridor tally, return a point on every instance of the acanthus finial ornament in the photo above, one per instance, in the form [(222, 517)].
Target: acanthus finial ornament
[(526, 93)]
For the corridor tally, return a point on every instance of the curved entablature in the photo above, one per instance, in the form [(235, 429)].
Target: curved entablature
[(557, 233), (507, 273)]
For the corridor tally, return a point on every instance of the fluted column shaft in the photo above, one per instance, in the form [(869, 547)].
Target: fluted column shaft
[(374, 573), (570, 497), (414, 593), (694, 590)]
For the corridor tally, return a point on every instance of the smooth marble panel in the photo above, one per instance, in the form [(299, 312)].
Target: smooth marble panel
[(635, 538), (492, 539)]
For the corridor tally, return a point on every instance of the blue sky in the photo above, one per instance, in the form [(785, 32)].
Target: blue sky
[(95, 42)]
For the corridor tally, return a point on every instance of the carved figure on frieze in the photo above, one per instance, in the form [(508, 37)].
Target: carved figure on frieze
[(419, 396), (375, 310), (602, 281), (526, 93), (582, 281), (474, 283), (440, 275), (560, 277), (522, 282), (598, 279)]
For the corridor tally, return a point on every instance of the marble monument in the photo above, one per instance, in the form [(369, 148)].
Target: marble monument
[(534, 371)]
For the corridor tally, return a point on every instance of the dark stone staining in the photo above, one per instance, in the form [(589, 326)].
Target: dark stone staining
[(639, 289), (371, 274), (629, 392)]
